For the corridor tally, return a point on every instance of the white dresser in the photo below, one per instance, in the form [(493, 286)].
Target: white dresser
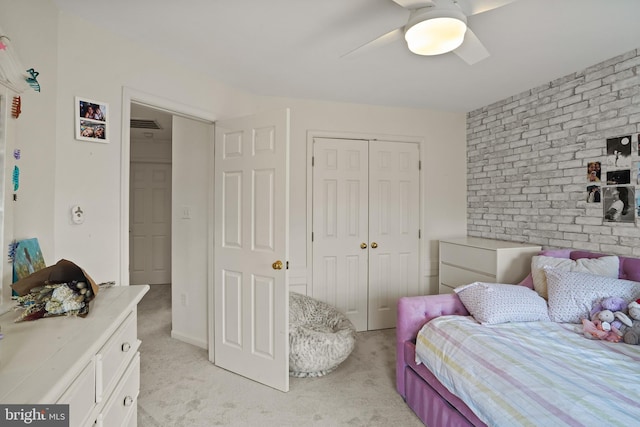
[(91, 363), (473, 259)]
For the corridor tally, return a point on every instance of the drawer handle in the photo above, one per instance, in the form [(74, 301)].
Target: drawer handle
[(126, 347), (128, 401)]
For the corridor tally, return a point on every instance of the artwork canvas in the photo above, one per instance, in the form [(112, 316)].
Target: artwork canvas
[(28, 258)]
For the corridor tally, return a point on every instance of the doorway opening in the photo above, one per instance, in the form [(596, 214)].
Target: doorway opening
[(150, 196), (189, 275)]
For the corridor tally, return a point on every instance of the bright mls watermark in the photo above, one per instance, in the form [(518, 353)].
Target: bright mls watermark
[(34, 415)]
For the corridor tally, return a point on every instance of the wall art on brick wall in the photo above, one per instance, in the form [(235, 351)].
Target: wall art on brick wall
[(593, 171), (619, 202), (619, 177), (593, 194), (619, 152)]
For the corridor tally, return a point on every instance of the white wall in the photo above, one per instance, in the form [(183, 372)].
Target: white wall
[(190, 180), (89, 173), (67, 172), (34, 41), (443, 152)]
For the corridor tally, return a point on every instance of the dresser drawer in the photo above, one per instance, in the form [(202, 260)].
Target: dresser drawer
[(115, 355), (444, 289), (122, 404), (81, 396), (472, 258), (455, 276)]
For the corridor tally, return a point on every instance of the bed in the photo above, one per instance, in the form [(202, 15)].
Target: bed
[(577, 382)]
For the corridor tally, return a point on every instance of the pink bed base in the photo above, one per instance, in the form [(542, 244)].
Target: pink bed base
[(424, 394)]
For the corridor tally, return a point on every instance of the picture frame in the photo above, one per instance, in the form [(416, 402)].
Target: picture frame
[(92, 120)]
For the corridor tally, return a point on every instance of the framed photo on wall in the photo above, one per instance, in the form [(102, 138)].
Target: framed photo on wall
[(92, 123)]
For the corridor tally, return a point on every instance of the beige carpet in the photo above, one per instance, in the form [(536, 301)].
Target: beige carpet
[(180, 387)]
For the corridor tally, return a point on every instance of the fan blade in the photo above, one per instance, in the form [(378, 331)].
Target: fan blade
[(471, 50), (383, 40), (414, 4), (473, 7)]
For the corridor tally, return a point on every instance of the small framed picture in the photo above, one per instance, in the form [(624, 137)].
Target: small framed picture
[(92, 120)]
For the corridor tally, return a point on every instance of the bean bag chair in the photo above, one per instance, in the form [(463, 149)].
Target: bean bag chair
[(320, 337)]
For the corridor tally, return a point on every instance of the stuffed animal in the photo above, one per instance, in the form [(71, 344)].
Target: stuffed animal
[(610, 311), (614, 304), (634, 309), (593, 330), (632, 334)]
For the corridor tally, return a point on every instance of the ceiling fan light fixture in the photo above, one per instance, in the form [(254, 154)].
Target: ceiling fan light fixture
[(434, 32)]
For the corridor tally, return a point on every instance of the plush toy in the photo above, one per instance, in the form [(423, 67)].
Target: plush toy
[(614, 304), (634, 309), (610, 311), (593, 330), (632, 334)]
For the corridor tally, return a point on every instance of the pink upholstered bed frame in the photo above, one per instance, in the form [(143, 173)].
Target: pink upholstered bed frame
[(424, 394)]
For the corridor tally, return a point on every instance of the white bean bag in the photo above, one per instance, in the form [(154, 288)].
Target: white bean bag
[(320, 337)]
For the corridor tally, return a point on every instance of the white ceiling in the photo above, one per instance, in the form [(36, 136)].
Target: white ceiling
[(293, 48)]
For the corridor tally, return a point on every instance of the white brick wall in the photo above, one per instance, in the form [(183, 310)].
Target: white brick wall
[(527, 159)]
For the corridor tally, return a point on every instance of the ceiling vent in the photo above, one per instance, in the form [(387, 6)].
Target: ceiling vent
[(144, 124)]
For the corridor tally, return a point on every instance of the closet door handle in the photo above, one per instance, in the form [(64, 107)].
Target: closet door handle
[(374, 245), (363, 245)]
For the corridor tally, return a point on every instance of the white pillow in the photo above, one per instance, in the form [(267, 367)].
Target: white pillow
[(572, 293), (607, 266), (491, 303)]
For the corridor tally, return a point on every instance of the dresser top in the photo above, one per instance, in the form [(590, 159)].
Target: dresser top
[(39, 357), (480, 242)]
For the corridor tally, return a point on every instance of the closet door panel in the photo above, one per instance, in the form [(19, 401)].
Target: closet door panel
[(394, 225), (340, 226)]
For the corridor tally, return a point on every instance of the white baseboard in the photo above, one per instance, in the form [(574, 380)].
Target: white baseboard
[(189, 340)]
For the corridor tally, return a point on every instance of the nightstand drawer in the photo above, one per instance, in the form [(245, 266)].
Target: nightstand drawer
[(454, 276), (477, 259), (115, 355)]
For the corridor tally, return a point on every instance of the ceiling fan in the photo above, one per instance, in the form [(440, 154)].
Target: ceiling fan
[(435, 27)]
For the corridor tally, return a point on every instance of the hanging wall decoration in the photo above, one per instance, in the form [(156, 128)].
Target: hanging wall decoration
[(619, 203), (92, 123), (16, 107)]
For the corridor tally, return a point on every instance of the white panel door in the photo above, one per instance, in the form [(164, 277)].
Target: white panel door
[(150, 223), (366, 212), (340, 187), (251, 247), (394, 211)]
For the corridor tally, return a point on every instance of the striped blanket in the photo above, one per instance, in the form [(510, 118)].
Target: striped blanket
[(533, 374)]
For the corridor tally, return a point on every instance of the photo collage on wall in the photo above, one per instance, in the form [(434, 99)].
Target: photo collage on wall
[(616, 189)]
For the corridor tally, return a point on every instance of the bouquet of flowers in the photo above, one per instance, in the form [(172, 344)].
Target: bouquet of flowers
[(62, 289), (71, 299)]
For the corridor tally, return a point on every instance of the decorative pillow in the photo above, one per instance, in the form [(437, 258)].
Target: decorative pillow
[(607, 266), (491, 303), (572, 293)]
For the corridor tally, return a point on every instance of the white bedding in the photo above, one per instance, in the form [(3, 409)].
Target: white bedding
[(533, 373)]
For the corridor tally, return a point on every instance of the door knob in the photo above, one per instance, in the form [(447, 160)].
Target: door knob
[(277, 265), (363, 245), (374, 245)]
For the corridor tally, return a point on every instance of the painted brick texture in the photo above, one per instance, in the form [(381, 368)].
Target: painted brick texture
[(527, 159)]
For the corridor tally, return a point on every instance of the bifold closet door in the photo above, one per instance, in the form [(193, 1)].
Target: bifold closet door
[(340, 226), (365, 227)]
